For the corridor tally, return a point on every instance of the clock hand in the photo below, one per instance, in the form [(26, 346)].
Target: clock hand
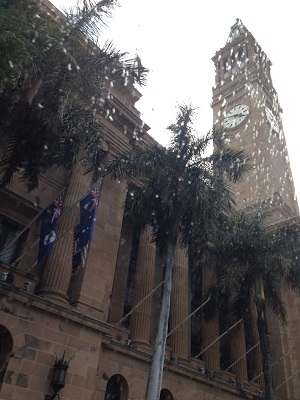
[(236, 115)]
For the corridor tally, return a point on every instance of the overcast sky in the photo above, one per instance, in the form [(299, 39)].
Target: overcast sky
[(176, 41)]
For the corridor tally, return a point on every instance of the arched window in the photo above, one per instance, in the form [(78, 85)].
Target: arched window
[(116, 388), (165, 394), (6, 346)]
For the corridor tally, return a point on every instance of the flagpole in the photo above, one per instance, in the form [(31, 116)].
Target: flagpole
[(25, 252), (275, 362), (63, 214), (292, 376), (218, 338), (138, 304), (55, 243), (189, 316), (242, 356), (28, 225)]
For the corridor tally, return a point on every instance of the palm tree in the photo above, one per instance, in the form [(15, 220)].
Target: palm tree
[(53, 77), (255, 264), (176, 189)]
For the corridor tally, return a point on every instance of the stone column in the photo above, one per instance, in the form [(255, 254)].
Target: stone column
[(180, 301), (140, 322), (211, 331), (237, 350), (58, 266)]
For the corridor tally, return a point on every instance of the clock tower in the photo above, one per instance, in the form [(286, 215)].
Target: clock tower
[(246, 104)]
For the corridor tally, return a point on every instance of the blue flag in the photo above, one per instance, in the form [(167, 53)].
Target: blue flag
[(84, 230), (49, 226)]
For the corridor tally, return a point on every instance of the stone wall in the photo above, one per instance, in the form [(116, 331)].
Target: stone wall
[(42, 329)]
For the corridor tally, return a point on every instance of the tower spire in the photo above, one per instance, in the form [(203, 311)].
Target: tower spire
[(237, 30)]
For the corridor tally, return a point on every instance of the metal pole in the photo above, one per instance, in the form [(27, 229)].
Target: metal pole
[(206, 348), (142, 301), (27, 226), (189, 316), (275, 362), (242, 356), (55, 243), (292, 376)]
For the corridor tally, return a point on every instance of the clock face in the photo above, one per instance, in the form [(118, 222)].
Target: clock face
[(272, 120), (236, 116)]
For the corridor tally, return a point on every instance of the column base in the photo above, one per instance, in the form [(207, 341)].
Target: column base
[(179, 360), (141, 344), (54, 295)]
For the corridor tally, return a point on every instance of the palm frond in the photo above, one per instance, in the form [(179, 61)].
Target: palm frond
[(231, 164), (181, 133), (242, 299), (273, 291), (87, 19), (144, 164), (63, 75), (141, 205)]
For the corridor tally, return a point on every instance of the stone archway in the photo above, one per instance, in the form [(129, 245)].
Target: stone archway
[(6, 347), (165, 394), (116, 388)]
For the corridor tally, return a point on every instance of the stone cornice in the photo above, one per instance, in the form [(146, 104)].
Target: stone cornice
[(15, 294)]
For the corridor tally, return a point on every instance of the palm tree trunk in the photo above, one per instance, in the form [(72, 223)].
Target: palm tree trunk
[(158, 357), (265, 348)]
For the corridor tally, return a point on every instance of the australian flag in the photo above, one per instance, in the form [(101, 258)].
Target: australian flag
[(50, 219), (84, 230)]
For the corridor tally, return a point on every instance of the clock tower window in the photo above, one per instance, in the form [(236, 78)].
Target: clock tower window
[(233, 64), (226, 68), (241, 58)]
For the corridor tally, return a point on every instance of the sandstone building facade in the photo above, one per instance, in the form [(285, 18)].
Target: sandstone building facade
[(47, 312)]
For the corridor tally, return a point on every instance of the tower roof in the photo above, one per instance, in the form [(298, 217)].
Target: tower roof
[(237, 30)]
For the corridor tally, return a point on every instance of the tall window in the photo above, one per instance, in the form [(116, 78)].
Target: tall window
[(233, 66), (8, 231), (226, 68), (241, 58), (196, 319), (224, 326), (6, 346), (130, 278), (248, 329)]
